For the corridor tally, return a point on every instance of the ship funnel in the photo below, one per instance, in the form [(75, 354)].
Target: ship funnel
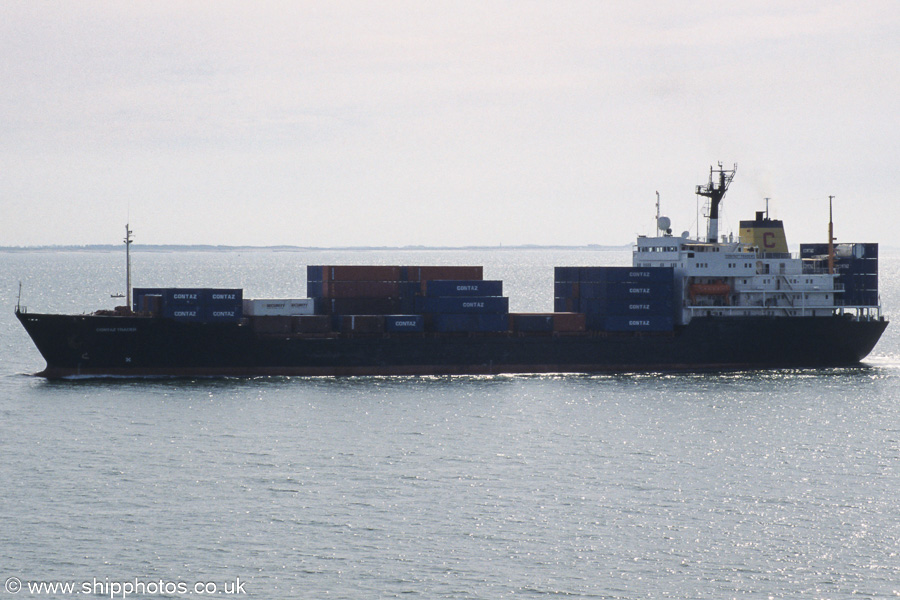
[(764, 233)]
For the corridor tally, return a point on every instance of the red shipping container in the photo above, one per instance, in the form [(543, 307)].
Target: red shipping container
[(361, 289), (361, 306), (360, 273), (271, 324), (311, 324), (444, 272)]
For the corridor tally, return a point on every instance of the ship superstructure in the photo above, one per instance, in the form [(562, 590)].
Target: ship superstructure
[(755, 275)]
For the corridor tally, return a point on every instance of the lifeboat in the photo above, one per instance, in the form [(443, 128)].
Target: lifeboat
[(720, 288)]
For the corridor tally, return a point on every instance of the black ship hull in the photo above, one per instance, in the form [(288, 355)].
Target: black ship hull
[(111, 346)]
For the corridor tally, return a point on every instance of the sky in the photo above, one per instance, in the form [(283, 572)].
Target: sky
[(403, 123)]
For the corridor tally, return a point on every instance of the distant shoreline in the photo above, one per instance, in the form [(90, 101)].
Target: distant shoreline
[(209, 248)]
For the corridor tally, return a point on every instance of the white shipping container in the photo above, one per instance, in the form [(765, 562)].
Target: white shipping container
[(274, 307)]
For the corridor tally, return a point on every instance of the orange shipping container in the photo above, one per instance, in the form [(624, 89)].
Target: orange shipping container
[(569, 322)]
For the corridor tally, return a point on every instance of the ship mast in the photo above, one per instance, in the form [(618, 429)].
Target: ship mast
[(830, 238), (715, 191), (128, 242)]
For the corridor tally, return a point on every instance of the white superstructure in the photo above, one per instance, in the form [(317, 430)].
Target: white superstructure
[(734, 278), (754, 275)]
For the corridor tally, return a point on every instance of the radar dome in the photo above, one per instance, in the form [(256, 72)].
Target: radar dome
[(663, 223)]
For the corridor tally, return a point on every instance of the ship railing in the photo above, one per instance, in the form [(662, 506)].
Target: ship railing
[(772, 310), (861, 312), (858, 312)]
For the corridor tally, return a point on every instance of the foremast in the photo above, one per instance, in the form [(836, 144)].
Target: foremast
[(129, 239)]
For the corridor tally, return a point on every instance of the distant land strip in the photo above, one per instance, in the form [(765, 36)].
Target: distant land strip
[(212, 248)]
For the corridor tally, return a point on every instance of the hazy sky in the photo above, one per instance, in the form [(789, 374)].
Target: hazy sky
[(442, 123)]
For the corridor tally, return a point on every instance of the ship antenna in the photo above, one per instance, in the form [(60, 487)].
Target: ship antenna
[(657, 213), (715, 192), (830, 237), (128, 242), (19, 299)]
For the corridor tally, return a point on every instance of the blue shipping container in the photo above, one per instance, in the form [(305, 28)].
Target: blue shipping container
[(565, 305), (411, 323), (193, 296), (182, 312), (221, 313), (473, 323), (595, 321), (220, 297), (463, 287), (565, 274), (650, 323), (314, 288), (314, 272), (625, 306), (566, 289), (626, 274), (410, 289), (194, 303), (184, 296), (463, 304), (628, 292), (861, 250)]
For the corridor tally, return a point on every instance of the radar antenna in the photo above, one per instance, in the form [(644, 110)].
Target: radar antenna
[(715, 191)]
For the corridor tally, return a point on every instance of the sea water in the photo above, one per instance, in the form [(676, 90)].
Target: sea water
[(759, 484)]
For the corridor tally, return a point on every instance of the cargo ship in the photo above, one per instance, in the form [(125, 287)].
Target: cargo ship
[(706, 303)]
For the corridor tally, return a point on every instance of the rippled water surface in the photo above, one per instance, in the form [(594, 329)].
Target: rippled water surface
[(755, 484)]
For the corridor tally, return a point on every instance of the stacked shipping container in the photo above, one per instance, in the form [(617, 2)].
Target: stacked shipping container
[(410, 298), (447, 299), (191, 304), (560, 322), (618, 298), (856, 266), (464, 305)]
